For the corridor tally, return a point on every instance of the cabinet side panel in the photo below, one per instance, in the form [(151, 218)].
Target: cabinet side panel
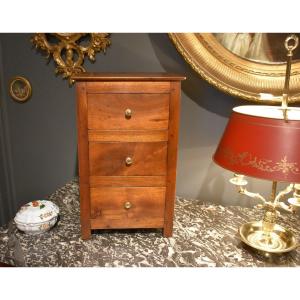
[(174, 114), (83, 160)]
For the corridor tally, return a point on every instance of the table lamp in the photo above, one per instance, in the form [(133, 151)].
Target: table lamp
[(264, 142)]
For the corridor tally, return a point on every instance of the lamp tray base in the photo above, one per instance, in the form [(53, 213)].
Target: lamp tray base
[(294, 201), (279, 240)]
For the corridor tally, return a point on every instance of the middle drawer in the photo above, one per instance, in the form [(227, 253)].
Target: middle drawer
[(128, 159)]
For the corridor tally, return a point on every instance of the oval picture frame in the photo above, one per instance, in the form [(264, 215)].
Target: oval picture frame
[(234, 75), (20, 89)]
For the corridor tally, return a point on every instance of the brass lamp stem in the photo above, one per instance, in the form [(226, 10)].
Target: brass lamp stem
[(291, 43), (270, 214), (274, 188)]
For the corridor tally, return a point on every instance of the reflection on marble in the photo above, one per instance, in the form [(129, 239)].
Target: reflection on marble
[(205, 235)]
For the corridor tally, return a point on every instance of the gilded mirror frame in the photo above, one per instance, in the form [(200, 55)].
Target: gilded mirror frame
[(234, 75)]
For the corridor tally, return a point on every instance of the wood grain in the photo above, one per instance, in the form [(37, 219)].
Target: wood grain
[(137, 76), (137, 181), (172, 157), (128, 136), (128, 87), (133, 222), (107, 111), (148, 205), (83, 160), (108, 159)]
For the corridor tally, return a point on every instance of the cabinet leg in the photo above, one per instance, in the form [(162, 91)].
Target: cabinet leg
[(85, 231), (168, 231)]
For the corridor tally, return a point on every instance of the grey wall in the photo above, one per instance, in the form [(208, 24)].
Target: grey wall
[(41, 134)]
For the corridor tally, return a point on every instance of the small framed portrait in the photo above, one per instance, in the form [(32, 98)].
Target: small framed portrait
[(20, 89)]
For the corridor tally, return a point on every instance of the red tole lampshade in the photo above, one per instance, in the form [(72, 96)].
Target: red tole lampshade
[(258, 142)]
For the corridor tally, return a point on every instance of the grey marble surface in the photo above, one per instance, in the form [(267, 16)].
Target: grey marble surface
[(205, 235)]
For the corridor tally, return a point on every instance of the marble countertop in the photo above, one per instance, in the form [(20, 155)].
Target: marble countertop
[(205, 235)]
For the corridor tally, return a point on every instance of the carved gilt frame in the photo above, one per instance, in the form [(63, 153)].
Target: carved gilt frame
[(246, 79), (67, 52)]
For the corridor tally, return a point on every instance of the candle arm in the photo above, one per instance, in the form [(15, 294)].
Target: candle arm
[(282, 193), (257, 196)]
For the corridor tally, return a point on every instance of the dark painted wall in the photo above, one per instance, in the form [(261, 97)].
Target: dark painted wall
[(41, 134)]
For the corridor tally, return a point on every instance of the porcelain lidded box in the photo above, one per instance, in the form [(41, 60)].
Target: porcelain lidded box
[(37, 216)]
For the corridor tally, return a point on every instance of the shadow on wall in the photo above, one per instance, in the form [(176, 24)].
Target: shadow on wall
[(211, 179), (213, 184), (194, 86), (216, 181), (203, 138)]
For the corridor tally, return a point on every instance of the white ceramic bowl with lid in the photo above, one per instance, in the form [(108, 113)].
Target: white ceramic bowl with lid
[(37, 216)]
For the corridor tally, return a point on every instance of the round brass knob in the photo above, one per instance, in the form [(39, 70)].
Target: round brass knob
[(128, 113), (128, 161), (127, 205)]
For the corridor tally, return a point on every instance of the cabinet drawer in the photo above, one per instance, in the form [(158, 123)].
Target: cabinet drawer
[(128, 111), (121, 159), (127, 207)]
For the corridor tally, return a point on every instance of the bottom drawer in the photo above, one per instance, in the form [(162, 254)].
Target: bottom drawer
[(127, 207)]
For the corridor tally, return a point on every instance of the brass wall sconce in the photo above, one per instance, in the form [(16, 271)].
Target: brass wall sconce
[(67, 51), (264, 142), (20, 89)]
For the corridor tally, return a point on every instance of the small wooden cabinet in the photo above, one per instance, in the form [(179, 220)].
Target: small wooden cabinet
[(127, 149)]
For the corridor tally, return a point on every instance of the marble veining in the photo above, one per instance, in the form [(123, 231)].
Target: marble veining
[(205, 235)]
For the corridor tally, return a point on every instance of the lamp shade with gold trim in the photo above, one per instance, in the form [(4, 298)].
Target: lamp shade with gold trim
[(259, 142)]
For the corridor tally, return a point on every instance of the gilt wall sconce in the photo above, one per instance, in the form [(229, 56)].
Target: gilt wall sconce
[(69, 52)]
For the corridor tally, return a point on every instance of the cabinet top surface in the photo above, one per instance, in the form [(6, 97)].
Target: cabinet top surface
[(128, 77)]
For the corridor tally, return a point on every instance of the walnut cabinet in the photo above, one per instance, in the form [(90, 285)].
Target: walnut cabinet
[(127, 149)]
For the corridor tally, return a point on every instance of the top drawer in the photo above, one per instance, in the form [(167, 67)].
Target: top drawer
[(128, 111)]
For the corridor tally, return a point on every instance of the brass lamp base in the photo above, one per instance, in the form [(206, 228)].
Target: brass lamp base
[(279, 240), (294, 201)]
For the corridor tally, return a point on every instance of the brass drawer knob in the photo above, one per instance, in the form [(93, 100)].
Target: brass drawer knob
[(128, 161), (128, 113), (127, 205)]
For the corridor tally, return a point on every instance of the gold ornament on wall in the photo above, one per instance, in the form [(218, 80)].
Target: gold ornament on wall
[(68, 52)]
